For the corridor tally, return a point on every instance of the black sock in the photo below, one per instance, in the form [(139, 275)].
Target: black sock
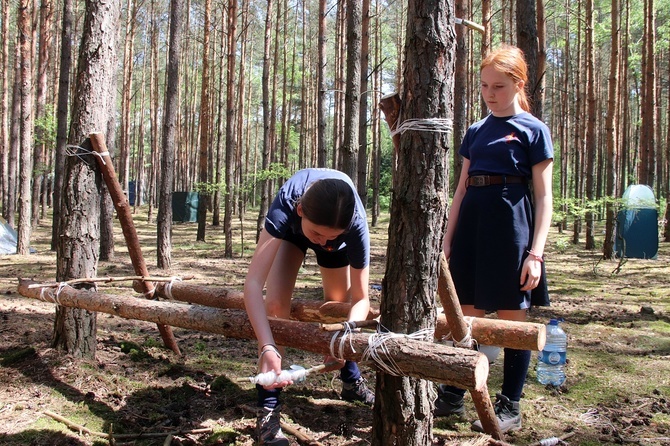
[(515, 369), (268, 398)]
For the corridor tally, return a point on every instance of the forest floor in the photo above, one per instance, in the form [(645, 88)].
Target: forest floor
[(617, 316)]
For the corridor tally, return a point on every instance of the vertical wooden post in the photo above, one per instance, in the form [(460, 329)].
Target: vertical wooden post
[(129, 233)]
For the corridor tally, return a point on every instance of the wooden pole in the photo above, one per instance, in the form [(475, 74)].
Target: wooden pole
[(426, 360), (501, 333), (122, 207), (450, 304)]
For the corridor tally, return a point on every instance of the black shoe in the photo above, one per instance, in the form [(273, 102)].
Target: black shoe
[(448, 403), (507, 412), (358, 391), (268, 429)]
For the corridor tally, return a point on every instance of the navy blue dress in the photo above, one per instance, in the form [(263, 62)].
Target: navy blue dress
[(495, 223)]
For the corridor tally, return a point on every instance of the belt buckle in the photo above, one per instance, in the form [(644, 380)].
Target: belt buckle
[(480, 180)]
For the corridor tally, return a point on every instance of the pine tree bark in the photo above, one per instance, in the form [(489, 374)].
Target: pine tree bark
[(352, 104), (24, 227), (79, 243), (418, 212), (205, 118), (322, 105), (164, 219), (231, 146), (611, 132), (4, 111), (62, 116)]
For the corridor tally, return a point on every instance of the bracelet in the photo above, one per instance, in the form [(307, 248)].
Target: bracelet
[(271, 349), (535, 256)]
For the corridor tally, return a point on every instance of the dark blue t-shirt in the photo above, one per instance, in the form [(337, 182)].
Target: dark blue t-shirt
[(507, 146), (283, 217)]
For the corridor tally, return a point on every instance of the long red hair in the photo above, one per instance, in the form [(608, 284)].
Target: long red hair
[(510, 60)]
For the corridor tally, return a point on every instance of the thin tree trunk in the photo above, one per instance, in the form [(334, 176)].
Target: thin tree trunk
[(14, 140), (363, 113), (203, 190), (611, 132), (230, 128), (169, 141), (26, 131), (267, 142), (39, 151), (62, 116), (322, 106), (350, 146), (4, 112), (590, 135)]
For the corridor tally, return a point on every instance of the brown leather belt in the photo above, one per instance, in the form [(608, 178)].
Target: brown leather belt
[(487, 180)]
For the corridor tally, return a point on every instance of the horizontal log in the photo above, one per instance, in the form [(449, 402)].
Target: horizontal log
[(426, 360), (486, 331)]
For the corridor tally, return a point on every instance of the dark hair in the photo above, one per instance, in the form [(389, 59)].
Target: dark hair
[(510, 60), (329, 202)]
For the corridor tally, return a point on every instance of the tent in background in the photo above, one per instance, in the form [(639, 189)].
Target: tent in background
[(637, 224), (8, 238)]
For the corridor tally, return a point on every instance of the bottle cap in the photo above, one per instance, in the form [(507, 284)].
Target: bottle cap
[(553, 322)]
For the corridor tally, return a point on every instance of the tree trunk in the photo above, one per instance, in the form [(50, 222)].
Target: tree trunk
[(230, 129), (322, 105), (611, 132), (169, 142), (363, 114), (26, 131), (590, 136), (526, 35), (350, 146), (403, 406), (39, 152), (79, 243), (205, 119), (14, 141), (265, 184), (4, 111), (62, 116)]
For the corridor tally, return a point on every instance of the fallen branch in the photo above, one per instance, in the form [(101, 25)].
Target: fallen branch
[(84, 430), (108, 279)]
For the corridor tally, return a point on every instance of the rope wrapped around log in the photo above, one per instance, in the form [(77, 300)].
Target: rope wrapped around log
[(426, 360)]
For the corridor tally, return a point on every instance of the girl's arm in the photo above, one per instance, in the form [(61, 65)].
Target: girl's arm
[(259, 268), (543, 201), (360, 299), (455, 208)]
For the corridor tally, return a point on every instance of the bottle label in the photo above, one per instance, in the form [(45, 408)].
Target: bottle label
[(552, 358)]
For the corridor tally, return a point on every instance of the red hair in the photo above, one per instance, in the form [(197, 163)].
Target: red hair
[(510, 60)]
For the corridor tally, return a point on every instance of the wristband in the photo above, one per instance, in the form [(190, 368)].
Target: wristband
[(271, 349), (532, 254)]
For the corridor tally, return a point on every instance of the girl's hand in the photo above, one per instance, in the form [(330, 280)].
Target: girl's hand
[(530, 273), (270, 360)]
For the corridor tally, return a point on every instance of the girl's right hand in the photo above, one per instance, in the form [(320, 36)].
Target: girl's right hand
[(270, 360)]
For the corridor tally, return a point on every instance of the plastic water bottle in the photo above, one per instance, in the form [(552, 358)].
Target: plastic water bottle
[(551, 360)]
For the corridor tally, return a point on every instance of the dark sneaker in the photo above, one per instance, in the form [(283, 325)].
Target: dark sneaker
[(448, 403), (268, 430), (358, 391), (507, 412)]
